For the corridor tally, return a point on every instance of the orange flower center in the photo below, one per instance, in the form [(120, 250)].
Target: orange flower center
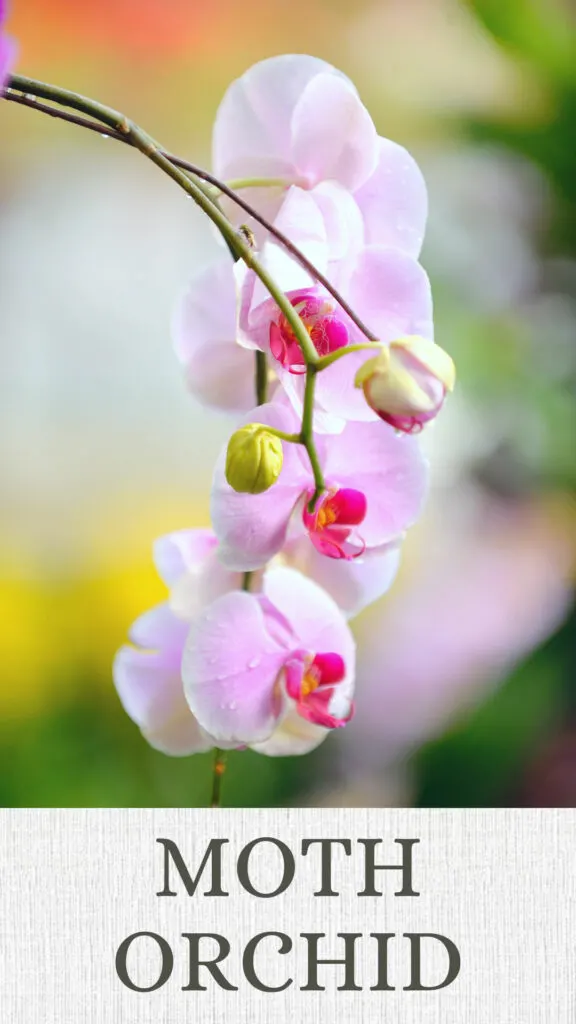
[(310, 683)]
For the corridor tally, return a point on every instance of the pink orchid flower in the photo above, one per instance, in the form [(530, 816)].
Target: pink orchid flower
[(298, 121), (274, 670), (388, 289), (7, 49), (148, 672), (376, 483), (205, 328)]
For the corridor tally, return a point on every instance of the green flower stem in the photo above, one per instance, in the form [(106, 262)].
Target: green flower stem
[(291, 438), (261, 378), (217, 776), (213, 189), (307, 435), (118, 122), (239, 183), (333, 357)]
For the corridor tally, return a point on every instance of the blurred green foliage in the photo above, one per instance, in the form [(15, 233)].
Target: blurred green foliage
[(483, 760), (542, 35), (85, 754)]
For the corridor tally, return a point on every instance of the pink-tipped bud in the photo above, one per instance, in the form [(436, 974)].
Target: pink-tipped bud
[(406, 383)]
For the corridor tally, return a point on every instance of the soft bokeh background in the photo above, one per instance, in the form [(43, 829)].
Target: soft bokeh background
[(467, 676)]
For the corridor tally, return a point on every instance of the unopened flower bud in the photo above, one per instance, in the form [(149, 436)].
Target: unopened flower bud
[(406, 383), (253, 459)]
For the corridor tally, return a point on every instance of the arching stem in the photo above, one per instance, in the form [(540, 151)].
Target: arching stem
[(228, 189)]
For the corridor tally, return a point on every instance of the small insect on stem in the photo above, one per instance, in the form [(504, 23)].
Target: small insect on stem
[(248, 235)]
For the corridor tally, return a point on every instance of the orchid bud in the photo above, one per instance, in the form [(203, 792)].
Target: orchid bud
[(406, 383), (253, 459)]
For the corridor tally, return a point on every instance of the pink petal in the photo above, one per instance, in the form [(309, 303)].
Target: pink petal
[(219, 371), (253, 330), (149, 685), (230, 667), (391, 292), (8, 49), (391, 471), (252, 528), (182, 551), (188, 562), (8, 52), (266, 199), (343, 224), (316, 620), (394, 201), (198, 588), (159, 630), (286, 350), (335, 391), (294, 736), (353, 584), (300, 218), (252, 131), (180, 735), (333, 135), (337, 400)]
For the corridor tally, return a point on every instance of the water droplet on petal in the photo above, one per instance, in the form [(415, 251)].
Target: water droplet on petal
[(254, 663)]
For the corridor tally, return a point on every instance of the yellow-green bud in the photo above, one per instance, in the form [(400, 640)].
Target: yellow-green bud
[(253, 459)]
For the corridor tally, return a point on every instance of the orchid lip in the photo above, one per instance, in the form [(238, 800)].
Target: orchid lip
[(331, 526), (327, 331), (311, 682)]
